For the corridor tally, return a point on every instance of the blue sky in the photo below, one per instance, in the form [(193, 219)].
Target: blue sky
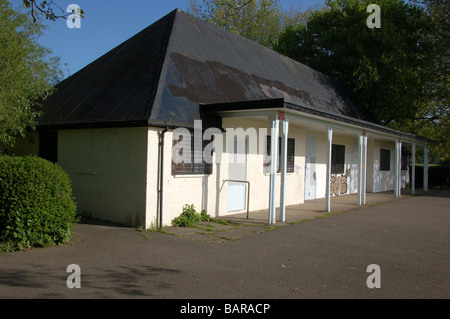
[(107, 23)]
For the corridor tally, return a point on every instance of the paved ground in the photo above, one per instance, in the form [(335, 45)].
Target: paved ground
[(320, 258)]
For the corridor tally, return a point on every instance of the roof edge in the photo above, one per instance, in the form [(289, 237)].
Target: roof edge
[(164, 66), (279, 103)]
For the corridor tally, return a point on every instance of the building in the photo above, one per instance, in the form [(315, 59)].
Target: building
[(113, 127)]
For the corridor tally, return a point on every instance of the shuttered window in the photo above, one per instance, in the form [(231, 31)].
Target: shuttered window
[(289, 159)]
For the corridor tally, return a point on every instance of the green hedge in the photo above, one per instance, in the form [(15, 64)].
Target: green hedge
[(36, 204)]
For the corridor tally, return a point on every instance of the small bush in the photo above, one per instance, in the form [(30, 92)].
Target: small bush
[(36, 204), (189, 217)]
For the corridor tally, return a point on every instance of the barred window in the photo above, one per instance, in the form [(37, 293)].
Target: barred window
[(188, 158), (289, 159)]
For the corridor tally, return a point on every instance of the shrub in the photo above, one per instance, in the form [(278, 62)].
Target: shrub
[(189, 217), (36, 204)]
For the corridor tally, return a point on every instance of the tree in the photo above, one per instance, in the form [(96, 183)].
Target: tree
[(379, 66), (261, 21), (27, 73), (45, 8), (394, 72), (435, 123)]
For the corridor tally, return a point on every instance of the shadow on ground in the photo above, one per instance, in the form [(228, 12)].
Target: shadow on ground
[(85, 220)]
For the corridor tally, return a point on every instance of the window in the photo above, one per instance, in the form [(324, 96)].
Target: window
[(385, 160), (337, 159), (289, 159), (195, 164)]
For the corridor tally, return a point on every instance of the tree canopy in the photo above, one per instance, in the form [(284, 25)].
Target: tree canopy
[(398, 72), (27, 72), (261, 21)]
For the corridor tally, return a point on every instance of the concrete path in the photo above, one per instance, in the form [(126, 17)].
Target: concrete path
[(316, 208), (241, 227), (408, 239)]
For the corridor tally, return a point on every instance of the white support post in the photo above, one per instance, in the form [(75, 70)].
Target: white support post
[(273, 169), (396, 170), (413, 168), (425, 169), (364, 169), (328, 192), (283, 165), (360, 168), (400, 168), (397, 166)]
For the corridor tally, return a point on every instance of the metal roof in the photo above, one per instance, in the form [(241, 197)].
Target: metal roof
[(118, 88), (161, 75)]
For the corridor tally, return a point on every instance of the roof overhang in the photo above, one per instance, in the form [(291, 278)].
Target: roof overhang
[(270, 109)]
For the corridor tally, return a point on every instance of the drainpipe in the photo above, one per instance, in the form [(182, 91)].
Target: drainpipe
[(161, 170)]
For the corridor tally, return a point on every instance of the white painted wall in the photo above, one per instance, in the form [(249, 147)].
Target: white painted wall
[(259, 194), (209, 192), (383, 180), (377, 180), (321, 164), (114, 172), (107, 167), (179, 190), (350, 162)]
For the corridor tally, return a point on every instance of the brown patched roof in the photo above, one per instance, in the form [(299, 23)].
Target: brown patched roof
[(162, 74)]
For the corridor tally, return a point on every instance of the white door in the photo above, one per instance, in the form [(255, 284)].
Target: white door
[(310, 166), (237, 170)]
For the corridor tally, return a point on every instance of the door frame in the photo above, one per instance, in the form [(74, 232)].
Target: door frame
[(237, 192)]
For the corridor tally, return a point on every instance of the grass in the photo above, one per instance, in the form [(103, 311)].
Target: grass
[(299, 221), (223, 222), (212, 231)]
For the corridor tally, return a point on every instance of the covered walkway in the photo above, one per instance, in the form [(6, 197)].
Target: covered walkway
[(315, 208), (282, 115)]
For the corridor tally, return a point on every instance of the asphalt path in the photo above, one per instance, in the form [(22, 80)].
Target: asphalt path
[(409, 240)]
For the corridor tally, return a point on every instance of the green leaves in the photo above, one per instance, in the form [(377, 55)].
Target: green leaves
[(36, 204), (381, 67), (189, 217), (261, 21), (398, 73), (27, 73), (46, 9)]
